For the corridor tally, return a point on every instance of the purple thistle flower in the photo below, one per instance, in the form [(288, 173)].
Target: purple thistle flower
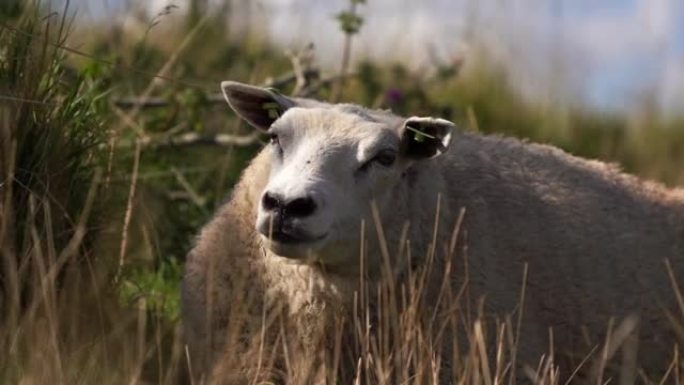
[(394, 96)]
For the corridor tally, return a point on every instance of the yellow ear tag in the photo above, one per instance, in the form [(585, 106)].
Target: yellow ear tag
[(273, 109), (419, 136)]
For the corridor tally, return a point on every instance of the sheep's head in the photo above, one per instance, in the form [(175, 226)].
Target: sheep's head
[(328, 162)]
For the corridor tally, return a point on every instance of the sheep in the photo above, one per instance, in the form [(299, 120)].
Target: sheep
[(275, 274)]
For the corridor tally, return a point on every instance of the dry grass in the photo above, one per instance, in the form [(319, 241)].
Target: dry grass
[(70, 331)]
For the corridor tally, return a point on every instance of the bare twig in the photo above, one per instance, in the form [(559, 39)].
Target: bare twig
[(161, 75), (189, 139), (128, 121), (129, 210), (217, 98), (301, 61), (79, 233), (194, 196), (326, 81)]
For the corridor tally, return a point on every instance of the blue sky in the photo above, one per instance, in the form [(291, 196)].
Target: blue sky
[(633, 47), (611, 52)]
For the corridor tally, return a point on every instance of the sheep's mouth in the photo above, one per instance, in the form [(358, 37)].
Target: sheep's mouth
[(288, 238), (296, 246)]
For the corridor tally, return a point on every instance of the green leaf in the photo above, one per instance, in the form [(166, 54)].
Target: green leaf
[(350, 23)]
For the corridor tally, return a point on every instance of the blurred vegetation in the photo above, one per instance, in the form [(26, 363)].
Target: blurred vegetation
[(68, 157), (51, 131)]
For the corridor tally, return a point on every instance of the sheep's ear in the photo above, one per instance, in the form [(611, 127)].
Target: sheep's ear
[(259, 106), (425, 137)]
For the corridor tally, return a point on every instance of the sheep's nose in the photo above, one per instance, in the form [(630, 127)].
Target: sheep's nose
[(298, 207), (271, 202)]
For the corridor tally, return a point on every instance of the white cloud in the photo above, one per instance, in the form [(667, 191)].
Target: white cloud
[(643, 29)]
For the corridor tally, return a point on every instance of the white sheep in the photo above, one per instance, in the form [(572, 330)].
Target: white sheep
[(279, 264)]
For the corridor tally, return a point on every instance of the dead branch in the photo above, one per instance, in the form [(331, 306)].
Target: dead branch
[(308, 74), (194, 139), (301, 62)]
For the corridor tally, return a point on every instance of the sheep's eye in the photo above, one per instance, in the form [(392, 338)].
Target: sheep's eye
[(385, 157), (275, 142)]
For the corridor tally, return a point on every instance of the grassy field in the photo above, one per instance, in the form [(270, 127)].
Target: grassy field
[(100, 196)]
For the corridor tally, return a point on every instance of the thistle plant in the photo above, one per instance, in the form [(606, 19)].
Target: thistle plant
[(350, 24)]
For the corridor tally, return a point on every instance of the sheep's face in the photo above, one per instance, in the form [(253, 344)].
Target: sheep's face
[(328, 164)]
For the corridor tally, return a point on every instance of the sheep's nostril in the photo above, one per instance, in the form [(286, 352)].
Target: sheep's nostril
[(270, 202), (301, 207)]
